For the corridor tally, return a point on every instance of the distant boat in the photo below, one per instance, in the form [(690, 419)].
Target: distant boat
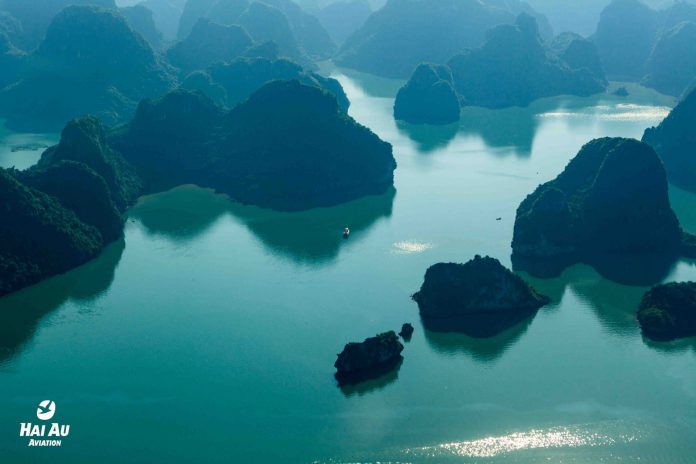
[(346, 232)]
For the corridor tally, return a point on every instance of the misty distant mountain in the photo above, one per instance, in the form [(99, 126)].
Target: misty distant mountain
[(140, 18), (343, 18), (296, 32), (90, 61), (636, 42), (166, 14), (229, 84), (513, 68), (580, 16), (12, 61), (207, 43), (36, 15), (396, 38)]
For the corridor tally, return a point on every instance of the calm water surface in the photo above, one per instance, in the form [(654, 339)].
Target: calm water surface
[(22, 150), (209, 333)]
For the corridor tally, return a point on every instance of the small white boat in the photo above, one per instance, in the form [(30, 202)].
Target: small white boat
[(346, 232)]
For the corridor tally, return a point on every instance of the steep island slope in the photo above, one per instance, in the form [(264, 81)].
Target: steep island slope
[(288, 147), (611, 199), (674, 139)]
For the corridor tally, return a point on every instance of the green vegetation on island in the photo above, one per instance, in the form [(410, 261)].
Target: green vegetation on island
[(668, 311), (480, 298), (288, 147), (611, 199), (674, 139)]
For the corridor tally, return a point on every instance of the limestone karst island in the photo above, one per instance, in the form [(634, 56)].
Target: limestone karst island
[(348, 231)]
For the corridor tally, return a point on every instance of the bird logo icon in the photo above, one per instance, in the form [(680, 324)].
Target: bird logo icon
[(46, 410)]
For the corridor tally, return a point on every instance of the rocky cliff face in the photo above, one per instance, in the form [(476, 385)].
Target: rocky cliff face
[(675, 141), (671, 66), (611, 199), (668, 311)]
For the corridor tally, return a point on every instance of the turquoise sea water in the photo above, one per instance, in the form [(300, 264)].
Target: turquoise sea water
[(208, 334), (22, 150)]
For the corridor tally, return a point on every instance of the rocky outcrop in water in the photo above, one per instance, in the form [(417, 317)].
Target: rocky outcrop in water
[(428, 97), (668, 311), (371, 358), (480, 297), (674, 139), (481, 285), (406, 331), (611, 199)]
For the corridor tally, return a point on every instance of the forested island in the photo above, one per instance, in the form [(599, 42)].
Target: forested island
[(668, 311), (611, 199), (228, 124), (513, 68), (288, 147), (480, 298)]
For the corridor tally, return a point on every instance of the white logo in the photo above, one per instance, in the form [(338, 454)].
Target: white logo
[(46, 410), (46, 434)]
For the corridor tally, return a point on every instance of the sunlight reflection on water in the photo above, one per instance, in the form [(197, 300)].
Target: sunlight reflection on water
[(409, 247), (619, 112), (555, 437)]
